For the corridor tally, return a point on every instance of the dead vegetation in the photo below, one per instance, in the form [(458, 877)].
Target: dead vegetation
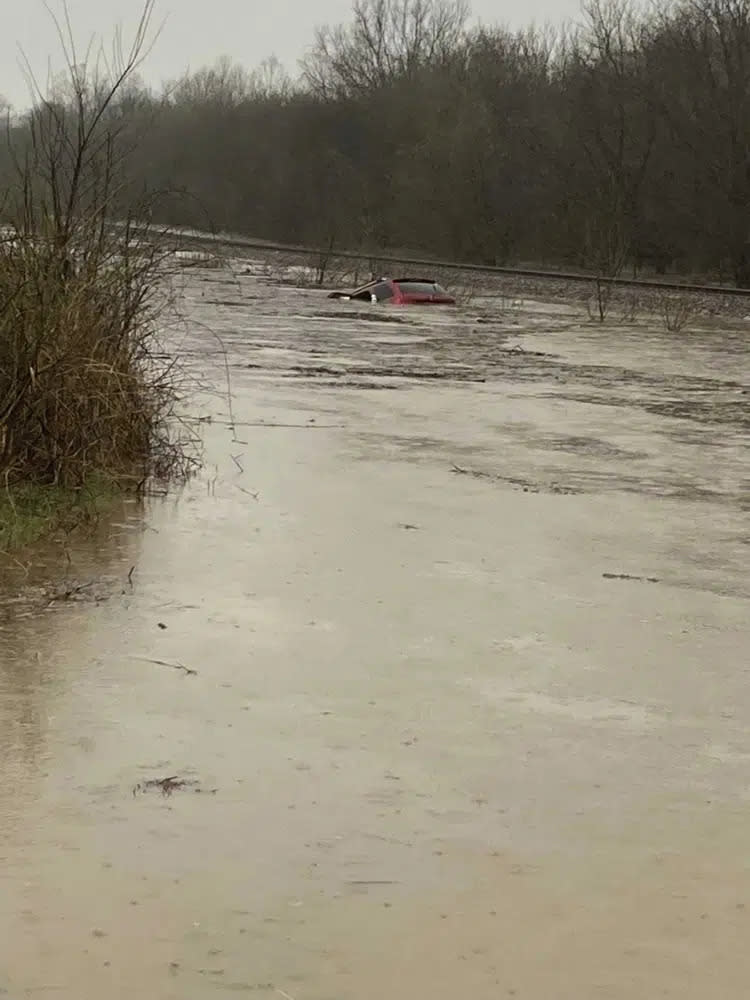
[(84, 391), (169, 785), (677, 310), (597, 304)]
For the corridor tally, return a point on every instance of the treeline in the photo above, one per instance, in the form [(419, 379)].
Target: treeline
[(619, 144)]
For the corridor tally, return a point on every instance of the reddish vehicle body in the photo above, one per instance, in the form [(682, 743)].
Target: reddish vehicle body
[(400, 292)]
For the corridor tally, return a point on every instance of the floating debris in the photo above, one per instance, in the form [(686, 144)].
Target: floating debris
[(630, 576), (188, 671), (167, 786)]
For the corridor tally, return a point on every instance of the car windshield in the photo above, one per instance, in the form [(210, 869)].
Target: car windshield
[(421, 288)]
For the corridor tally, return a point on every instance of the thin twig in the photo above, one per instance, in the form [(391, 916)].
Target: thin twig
[(65, 595), (372, 881), (165, 663), (247, 492), (269, 423)]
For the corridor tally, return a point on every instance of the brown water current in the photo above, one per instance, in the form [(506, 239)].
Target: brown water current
[(446, 654)]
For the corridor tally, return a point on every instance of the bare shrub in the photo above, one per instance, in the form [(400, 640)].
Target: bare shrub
[(630, 307), (677, 308), (597, 304), (464, 286), (302, 270), (84, 390), (323, 261), (334, 270)]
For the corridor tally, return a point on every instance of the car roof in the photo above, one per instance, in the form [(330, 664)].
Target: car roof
[(417, 281), (397, 281)]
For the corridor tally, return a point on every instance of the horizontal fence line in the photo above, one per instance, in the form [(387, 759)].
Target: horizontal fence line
[(421, 262)]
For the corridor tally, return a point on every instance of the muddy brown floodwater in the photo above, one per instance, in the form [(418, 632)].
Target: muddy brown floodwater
[(462, 607)]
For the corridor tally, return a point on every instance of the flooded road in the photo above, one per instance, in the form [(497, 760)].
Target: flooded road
[(449, 644)]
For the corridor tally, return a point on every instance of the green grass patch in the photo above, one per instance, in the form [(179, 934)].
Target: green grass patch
[(29, 513)]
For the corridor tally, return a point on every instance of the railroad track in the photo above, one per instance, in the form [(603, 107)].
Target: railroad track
[(431, 263)]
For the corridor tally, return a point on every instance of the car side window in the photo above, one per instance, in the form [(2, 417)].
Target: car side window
[(383, 291)]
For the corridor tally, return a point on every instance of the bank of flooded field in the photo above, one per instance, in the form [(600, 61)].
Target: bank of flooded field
[(433, 684)]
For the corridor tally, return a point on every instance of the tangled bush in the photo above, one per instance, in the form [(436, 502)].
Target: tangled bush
[(82, 392)]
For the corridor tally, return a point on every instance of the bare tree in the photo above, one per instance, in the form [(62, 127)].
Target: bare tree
[(613, 125), (386, 40), (223, 85), (270, 81), (700, 60)]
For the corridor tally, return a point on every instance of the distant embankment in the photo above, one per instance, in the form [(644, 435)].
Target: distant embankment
[(195, 237)]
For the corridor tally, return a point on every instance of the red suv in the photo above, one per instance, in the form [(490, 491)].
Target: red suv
[(400, 292)]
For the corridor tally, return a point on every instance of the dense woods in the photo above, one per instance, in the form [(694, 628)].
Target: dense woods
[(619, 144)]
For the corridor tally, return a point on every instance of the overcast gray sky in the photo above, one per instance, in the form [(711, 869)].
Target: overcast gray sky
[(196, 32)]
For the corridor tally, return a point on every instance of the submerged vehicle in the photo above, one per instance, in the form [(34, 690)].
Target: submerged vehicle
[(399, 292)]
